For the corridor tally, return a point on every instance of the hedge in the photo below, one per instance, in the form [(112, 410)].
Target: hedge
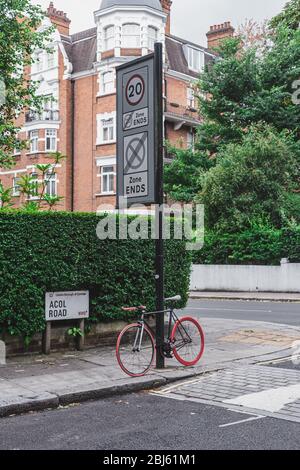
[(49, 251), (258, 246)]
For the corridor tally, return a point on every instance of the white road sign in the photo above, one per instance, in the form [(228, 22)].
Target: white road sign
[(136, 131), (67, 305), (135, 90)]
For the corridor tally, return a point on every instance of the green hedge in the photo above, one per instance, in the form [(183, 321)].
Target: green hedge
[(258, 246), (60, 251)]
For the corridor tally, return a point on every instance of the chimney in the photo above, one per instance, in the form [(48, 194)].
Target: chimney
[(219, 32), (166, 6), (59, 19)]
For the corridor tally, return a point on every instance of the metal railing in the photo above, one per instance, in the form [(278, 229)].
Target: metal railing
[(46, 115), (182, 111)]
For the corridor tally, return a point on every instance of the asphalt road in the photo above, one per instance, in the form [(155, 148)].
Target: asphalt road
[(287, 313), (147, 422)]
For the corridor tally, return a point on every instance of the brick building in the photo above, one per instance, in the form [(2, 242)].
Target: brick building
[(77, 80)]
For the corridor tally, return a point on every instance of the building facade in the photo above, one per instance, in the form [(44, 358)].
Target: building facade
[(77, 80)]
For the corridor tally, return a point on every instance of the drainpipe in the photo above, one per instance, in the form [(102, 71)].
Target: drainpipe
[(72, 142)]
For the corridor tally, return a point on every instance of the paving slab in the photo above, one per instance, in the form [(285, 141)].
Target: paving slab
[(37, 382)]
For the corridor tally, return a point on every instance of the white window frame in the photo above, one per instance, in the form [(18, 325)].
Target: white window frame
[(51, 138), (106, 121), (107, 177), (195, 55), (35, 180), (16, 192), (190, 140), (190, 97), (51, 186), (109, 38), (152, 39), (51, 59), (107, 87), (131, 40), (34, 141), (39, 61)]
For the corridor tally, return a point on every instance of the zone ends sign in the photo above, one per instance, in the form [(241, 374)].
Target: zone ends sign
[(136, 136), (67, 305)]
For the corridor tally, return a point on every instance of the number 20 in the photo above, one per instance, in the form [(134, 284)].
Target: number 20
[(135, 90)]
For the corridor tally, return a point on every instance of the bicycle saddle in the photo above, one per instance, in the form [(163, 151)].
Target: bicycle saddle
[(176, 298)]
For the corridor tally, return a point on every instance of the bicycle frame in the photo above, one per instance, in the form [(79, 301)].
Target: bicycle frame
[(173, 318)]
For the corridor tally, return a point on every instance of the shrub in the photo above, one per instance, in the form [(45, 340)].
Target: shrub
[(258, 246), (60, 251)]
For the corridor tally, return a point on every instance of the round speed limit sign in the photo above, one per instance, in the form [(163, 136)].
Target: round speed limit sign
[(135, 90)]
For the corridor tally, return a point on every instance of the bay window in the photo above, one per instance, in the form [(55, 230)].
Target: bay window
[(51, 140), (152, 37), (109, 38), (34, 141), (131, 35)]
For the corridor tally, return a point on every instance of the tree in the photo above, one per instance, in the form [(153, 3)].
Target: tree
[(181, 176), (290, 16), (245, 87), (19, 38), (30, 187), (251, 180)]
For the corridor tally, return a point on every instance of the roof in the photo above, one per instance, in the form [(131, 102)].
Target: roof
[(81, 50), (176, 57), (141, 3)]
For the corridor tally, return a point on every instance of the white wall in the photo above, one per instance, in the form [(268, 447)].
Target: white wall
[(284, 278)]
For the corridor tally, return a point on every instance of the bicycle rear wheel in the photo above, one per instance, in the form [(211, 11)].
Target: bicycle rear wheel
[(135, 350), (188, 339)]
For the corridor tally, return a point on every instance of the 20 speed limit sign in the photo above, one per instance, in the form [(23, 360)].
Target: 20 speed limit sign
[(135, 90)]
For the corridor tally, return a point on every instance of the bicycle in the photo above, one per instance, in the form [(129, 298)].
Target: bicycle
[(136, 346)]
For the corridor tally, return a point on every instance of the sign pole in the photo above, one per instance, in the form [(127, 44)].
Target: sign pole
[(159, 256)]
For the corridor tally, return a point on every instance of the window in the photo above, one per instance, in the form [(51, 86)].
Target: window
[(108, 129), (51, 184), (35, 185), (190, 97), (34, 141), (109, 38), (131, 36), (107, 179), (195, 59), (50, 140), (50, 59), (190, 140), (16, 186), (152, 37), (39, 62), (107, 83)]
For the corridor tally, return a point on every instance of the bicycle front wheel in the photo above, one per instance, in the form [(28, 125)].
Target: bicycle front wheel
[(188, 340), (135, 350)]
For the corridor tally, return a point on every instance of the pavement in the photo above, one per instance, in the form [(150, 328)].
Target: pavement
[(31, 383), (263, 296)]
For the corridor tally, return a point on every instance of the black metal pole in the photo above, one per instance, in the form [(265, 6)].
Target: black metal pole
[(159, 257)]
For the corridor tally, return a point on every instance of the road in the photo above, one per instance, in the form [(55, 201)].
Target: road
[(287, 313), (147, 422), (151, 421)]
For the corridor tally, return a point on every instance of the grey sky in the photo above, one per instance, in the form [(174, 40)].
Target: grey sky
[(190, 18)]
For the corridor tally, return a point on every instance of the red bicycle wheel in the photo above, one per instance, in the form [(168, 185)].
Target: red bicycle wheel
[(135, 350), (188, 339)]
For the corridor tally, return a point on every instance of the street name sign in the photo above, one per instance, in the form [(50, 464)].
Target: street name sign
[(136, 146), (67, 305)]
